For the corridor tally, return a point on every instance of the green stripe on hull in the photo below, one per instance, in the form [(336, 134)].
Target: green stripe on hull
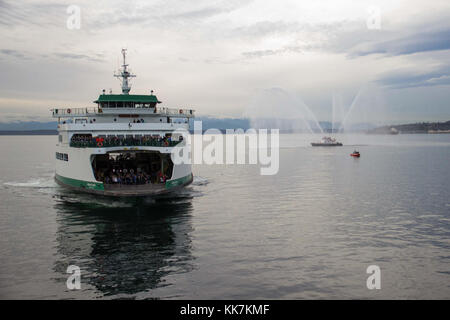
[(80, 183), (178, 182), (99, 186)]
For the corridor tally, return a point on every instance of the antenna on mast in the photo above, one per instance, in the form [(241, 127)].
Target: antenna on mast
[(124, 74)]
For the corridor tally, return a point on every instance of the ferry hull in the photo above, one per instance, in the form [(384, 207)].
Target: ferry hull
[(76, 173), (314, 144), (124, 191)]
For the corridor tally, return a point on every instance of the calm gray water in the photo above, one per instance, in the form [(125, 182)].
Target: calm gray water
[(308, 232)]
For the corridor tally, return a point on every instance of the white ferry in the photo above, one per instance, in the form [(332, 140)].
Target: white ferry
[(123, 145)]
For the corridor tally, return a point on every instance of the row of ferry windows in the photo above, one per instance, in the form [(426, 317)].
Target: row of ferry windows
[(62, 156), (127, 105)]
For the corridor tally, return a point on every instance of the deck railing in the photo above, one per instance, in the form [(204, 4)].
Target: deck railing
[(75, 112), (91, 111)]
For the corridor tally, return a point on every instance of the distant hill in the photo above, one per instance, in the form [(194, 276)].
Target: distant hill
[(28, 125), (28, 132), (422, 127)]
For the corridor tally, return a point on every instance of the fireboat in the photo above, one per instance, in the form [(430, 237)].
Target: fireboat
[(327, 142)]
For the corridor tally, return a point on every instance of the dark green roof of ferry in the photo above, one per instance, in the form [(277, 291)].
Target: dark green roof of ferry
[(127, 98)]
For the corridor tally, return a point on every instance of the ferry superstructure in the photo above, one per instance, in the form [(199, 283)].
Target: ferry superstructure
[(123, 145)]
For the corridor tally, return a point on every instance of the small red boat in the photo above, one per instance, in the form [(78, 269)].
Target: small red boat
[(355, 154)]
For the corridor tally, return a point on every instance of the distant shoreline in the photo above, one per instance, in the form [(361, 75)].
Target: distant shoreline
[(411, 128), (414, 128)]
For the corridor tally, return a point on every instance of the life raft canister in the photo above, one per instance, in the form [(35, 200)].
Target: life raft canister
[(99, 142)]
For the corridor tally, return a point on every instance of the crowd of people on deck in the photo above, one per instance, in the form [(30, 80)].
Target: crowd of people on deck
[(130, 177), (124, 172), (82, 141)]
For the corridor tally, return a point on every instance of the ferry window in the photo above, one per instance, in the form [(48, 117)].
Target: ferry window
[(81, 135), (62, 156), (60, 138)]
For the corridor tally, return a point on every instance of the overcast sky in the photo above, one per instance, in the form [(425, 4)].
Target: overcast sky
[(216, 56)]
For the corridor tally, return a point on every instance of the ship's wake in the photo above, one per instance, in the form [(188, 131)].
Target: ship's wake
[(200, 181), (39, 183)]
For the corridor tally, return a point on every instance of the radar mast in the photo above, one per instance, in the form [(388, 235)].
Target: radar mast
[(124, 74)]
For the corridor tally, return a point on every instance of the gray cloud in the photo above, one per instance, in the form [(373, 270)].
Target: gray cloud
[(14, 53), (198, 14), (209, 10), (408, 79), (264, 53), (93, 58), (15, 13), (266, 28), (165, 13), (430, 41)]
